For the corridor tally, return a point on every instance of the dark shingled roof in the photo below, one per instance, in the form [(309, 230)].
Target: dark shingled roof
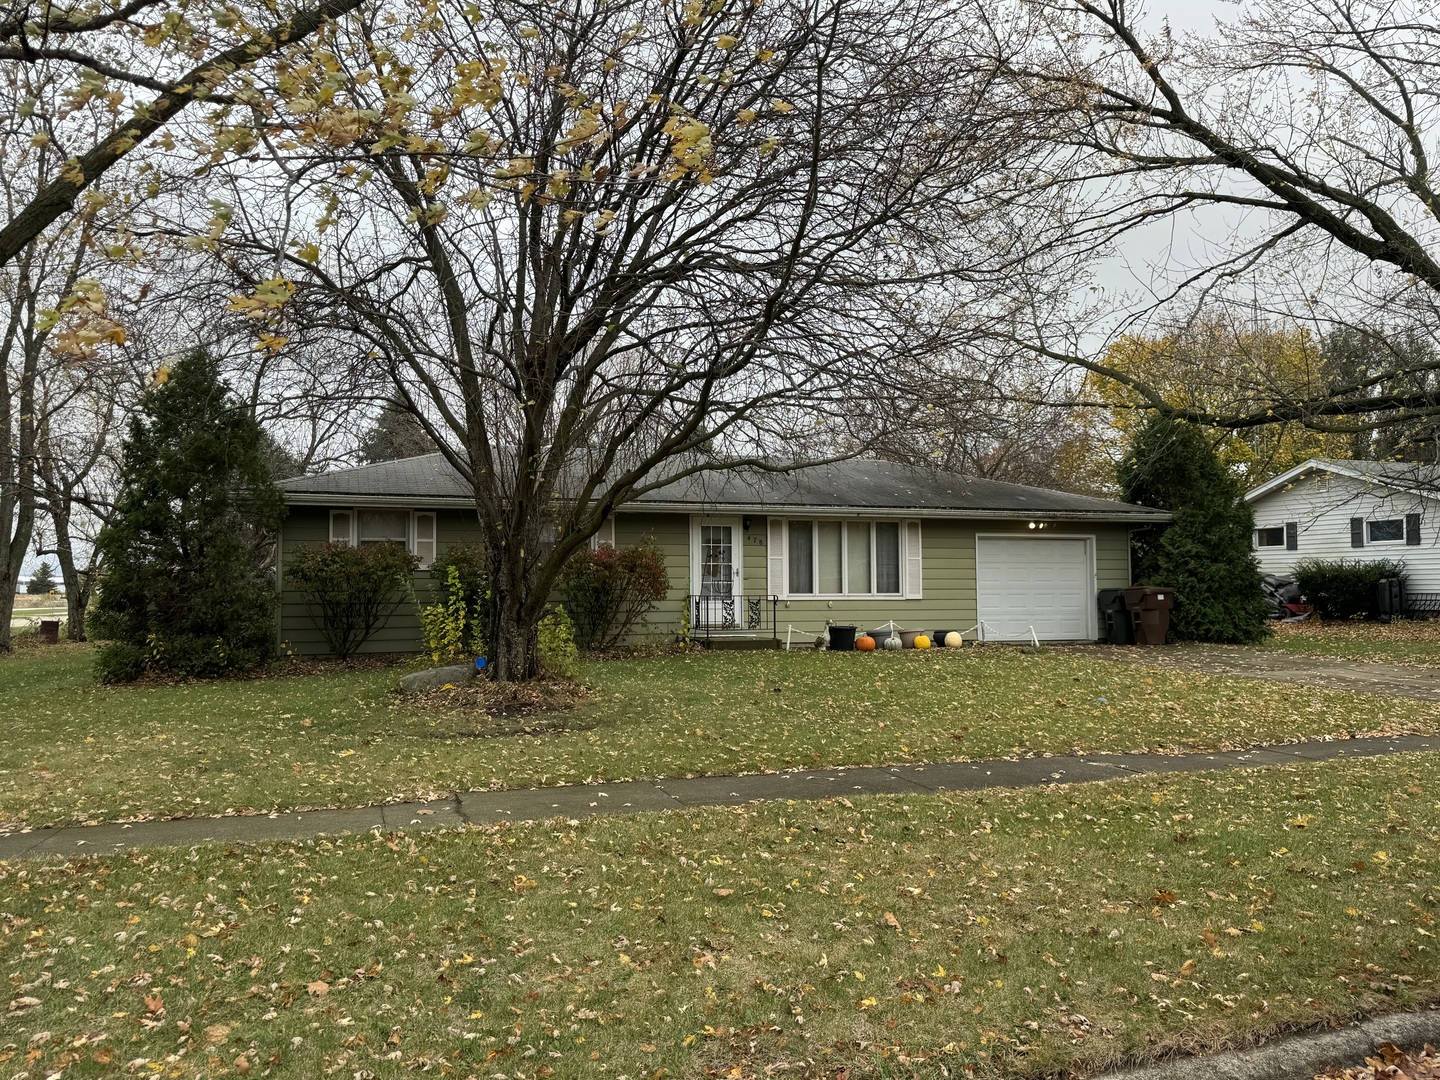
[(856, 484)]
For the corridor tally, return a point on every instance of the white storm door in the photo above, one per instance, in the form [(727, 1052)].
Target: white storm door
[(1024, 582), (716, 565)]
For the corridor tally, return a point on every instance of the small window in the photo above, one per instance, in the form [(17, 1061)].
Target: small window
[(342, 527), (1386, 530), (1271, 537), (425, 538)]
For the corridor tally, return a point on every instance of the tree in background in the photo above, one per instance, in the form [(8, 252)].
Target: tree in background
[(1397, 362), (42, 581), (395, 434), (1215, 366), (189, 584), (1205, 554)]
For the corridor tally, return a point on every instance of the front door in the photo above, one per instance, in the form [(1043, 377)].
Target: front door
[(716, 573)]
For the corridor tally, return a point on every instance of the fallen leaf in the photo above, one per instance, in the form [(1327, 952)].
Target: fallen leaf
[(318, 988)]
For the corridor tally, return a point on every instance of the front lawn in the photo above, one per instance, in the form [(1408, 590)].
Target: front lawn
[(1403, 642), (1008, 933), (76, 751)]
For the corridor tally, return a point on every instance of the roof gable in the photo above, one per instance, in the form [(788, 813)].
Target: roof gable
[(1419, 479)]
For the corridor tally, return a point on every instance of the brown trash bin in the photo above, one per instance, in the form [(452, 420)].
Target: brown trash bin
[(50, 631), (1149, 607)]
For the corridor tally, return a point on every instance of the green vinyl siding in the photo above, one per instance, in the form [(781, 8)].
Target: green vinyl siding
[(948, 573), (310, 525), (947, 589)]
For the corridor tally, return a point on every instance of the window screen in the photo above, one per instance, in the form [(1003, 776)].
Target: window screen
[(1274, 537), (887, 556), (827, 557), (802, 557), (857, 557)]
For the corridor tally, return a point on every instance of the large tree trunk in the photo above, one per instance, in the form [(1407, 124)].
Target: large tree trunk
[(514, 607)]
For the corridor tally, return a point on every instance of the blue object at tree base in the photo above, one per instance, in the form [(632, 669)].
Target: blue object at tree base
[(480, 663)]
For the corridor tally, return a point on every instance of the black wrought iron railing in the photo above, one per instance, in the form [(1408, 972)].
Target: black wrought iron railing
[(739, 613)]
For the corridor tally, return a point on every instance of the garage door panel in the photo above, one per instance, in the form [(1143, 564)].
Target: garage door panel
[(1030, 582)]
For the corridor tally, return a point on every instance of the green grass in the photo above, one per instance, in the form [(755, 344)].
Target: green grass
[(1403, 642), (76, 751), (1000, 933)]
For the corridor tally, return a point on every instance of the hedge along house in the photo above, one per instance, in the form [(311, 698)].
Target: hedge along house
[(768, 555)]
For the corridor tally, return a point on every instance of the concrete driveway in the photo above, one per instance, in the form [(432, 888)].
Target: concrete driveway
[(1281, 666)]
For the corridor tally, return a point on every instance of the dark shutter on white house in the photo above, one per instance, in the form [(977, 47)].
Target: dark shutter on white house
[(1412, 529), (1292, 535), (1357, 532)]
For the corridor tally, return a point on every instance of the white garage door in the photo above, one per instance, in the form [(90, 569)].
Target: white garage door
[(1029, 581)]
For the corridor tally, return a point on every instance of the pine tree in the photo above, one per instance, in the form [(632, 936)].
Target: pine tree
[(190, 585), (42, 581), (1206, 553), (395, 434)]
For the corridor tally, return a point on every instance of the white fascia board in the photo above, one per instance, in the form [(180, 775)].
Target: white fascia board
[(797, 511)]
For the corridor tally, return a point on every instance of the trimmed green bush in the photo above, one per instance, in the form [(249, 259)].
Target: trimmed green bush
[(608, 590), (119, 662), (1345, 588), (351, 592), (1205, 553)]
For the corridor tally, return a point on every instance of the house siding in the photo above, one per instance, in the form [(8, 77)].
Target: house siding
[(947, 602), (1322, 505), (309, 525), (948, 594)]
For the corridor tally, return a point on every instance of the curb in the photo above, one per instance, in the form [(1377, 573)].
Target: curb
[(1299, 1057)]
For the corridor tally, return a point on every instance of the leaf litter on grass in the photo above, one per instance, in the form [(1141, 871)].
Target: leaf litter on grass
[(78, 752), (999, 933)]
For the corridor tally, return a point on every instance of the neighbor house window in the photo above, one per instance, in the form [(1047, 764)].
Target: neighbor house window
[(1270, 537), (843, 558), (1386, 530)]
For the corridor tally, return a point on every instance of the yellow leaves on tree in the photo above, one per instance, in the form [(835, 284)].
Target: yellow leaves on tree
[(83, 322), (1222, 368), (690, 148), (268, 298)]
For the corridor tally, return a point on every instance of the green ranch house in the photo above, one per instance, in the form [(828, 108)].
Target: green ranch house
[(777, 556)]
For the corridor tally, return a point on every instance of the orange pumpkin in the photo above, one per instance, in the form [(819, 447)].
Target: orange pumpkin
[(865, 643)]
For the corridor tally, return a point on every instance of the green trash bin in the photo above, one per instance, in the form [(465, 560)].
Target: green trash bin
[(1115, 623)]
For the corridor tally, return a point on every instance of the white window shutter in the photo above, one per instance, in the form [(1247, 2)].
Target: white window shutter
[(912, 560), (425, 537), (775, 558)]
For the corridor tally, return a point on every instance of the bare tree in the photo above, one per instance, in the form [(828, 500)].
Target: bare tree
[(1291, 145), (601, 249)]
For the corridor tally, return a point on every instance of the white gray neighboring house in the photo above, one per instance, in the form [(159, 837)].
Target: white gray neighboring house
[(1332, 509)]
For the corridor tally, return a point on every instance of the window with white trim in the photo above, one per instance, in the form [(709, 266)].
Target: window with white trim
[(842, 558), (1385, 531), (416, 531), (1270, 536), (384, 527)]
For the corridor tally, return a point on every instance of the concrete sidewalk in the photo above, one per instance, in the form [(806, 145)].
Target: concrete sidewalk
[(623, 798)]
